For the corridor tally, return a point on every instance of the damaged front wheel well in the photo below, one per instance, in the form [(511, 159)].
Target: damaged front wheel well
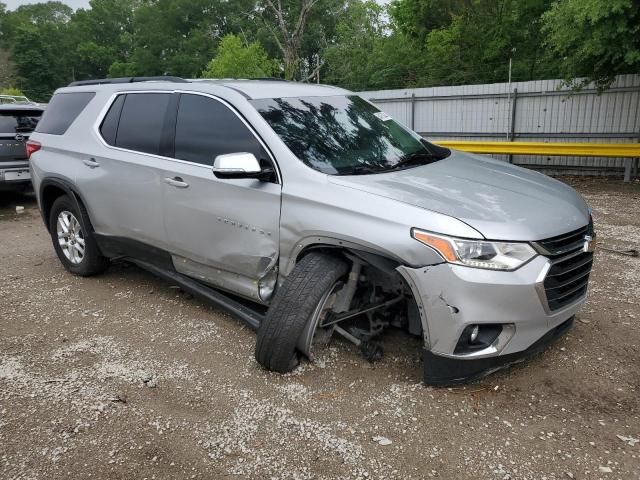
[(379, 276)]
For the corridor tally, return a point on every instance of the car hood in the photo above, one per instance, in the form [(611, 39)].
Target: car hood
[(500, 200)]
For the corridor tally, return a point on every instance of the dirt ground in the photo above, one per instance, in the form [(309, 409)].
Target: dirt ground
[(122, 376)]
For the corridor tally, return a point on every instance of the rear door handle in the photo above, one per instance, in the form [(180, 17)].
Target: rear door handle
[(176, 182), (91, 163)]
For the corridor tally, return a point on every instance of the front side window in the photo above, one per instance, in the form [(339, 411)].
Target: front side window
[(19, 121), (141, 122), (345, 135), (206, 128)]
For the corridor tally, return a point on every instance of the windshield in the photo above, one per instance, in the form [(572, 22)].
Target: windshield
[(20, 121), (345, 135)]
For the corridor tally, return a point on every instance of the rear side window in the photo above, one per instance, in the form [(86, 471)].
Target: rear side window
[(109, 127), (62, 111), (141, 122), (206, 128), (19, 121)]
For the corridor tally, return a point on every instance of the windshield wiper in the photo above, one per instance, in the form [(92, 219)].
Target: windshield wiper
[(360, 170), (414, 159)]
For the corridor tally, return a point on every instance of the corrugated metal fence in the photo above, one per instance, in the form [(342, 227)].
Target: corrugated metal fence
[(524, 111)]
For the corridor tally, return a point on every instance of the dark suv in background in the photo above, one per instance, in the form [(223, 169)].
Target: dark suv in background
[(17, 121)]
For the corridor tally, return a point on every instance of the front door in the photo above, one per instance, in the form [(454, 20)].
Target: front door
[(219, 227)]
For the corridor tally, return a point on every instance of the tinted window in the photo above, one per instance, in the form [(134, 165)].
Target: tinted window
[(141, 122), (207, 128), (345, 135), (109, 126), (61, 112), (18, 121)]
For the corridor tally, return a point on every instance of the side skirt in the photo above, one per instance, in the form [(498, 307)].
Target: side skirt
[(158, 262)]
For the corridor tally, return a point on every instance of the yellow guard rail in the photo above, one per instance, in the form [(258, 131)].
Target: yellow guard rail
[(626, 150)]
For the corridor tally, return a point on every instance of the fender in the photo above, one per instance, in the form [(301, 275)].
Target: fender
[(63, 184), (288, 263)]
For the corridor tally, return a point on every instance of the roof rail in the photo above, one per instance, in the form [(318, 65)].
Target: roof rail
[(107, 81)]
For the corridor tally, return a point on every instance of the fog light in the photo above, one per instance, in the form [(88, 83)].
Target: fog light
[(474, 334), (477, 337)]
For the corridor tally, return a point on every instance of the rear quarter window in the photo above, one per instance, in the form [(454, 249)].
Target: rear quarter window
[(62, 111)]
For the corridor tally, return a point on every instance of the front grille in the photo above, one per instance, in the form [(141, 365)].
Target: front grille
[(566, 243), (568, 277), (567, 280)]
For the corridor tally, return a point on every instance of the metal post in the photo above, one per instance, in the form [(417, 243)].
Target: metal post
[(512, 126), (627, 169), (509, 97), (413, 111)]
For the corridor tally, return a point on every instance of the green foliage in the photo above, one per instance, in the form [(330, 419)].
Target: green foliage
[(597, 39), (16, 92), (359, 44), (7, 69), (472, 42), (105, 35), (235, 60), (38, 35), (417, 18), (370, 52)]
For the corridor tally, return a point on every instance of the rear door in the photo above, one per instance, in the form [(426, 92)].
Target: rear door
[(230, 225), (122, 182)]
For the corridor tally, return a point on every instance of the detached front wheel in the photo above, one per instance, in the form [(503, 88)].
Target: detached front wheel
[(291, 324)]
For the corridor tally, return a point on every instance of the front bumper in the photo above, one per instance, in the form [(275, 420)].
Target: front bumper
[(452, 297), (442, 371)]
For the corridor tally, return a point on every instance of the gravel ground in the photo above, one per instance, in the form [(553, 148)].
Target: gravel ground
[(123, 376)]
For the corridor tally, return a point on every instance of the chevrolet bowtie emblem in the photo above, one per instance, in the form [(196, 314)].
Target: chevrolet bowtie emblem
[(589, 243)]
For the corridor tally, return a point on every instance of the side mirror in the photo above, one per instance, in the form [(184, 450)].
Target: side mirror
[(236, 165)]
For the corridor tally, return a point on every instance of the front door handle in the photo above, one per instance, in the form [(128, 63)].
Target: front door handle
[(91, 163), (176, 182)]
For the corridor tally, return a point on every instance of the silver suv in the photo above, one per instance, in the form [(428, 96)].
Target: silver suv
[(310, 214)]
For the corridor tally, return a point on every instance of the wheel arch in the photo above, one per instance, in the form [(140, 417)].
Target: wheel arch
[(381, 260), (340, 247), (53, 188)]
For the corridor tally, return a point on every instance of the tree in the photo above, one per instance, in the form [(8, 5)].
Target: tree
[(177, 37), (597, 40), (286, 22), (369, 52), (7, 69), (104, 35), (38, 37), (235, 60), (417, 18), (475, 47)]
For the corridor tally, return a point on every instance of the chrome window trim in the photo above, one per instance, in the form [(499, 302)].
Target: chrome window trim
[(112, 99)]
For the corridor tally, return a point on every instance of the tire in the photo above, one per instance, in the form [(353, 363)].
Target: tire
[(292, 308), (91, 262)]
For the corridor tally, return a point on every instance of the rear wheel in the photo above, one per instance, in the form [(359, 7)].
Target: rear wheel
[(72, 238), (305, 296)]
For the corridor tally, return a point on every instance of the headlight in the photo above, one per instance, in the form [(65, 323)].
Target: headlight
[(477, 253)]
